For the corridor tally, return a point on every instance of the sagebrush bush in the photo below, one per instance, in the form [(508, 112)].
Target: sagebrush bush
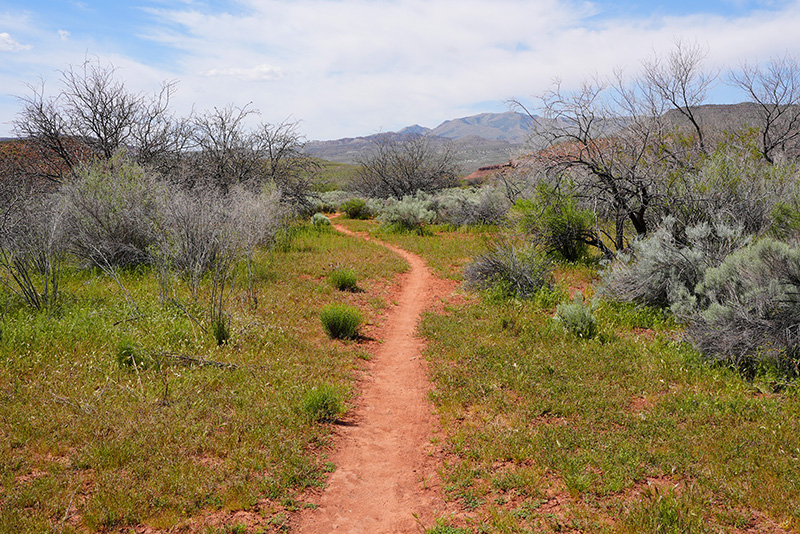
[(485, 205), (578, 317), (753, 307), (411, 214), (343, 279), (664, 269), (514, 271), (112, 209), (341, 321), (324, 403), (320, 221)]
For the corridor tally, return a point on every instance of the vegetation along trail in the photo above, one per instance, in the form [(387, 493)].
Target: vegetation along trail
[(386, 474)]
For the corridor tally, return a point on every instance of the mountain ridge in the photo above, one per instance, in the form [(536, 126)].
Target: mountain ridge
[(477, 140)]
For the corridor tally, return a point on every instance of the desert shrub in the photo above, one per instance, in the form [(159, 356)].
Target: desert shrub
[(511, 270), (578, 317), (411, 214), (735, 186), (556, 221), (343, 279), (110, 208), (198, 236), (257, 216), (356, 208), (32, 249), (340, 321), (324, 403), (469, 207), (753, 310), (664, 269), (320, 221)]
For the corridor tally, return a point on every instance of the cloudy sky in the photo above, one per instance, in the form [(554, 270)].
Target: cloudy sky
[(357, 67)]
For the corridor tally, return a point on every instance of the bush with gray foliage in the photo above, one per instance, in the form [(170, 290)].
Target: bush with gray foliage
[(111, 209), (510, 270), (753, 307), (664, 269)]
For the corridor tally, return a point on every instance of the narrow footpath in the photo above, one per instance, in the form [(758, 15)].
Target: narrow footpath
[(386, 477)]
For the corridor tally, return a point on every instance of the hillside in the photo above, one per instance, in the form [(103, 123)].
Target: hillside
[(479, 140), (494, 138)]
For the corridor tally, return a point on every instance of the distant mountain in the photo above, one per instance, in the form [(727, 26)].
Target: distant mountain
[(510, 126), (414, 130), (479, 140)]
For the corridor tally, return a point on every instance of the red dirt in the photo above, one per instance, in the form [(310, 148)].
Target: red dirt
[(386, 477)]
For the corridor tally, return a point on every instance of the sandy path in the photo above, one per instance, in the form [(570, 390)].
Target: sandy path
[(386, 472)]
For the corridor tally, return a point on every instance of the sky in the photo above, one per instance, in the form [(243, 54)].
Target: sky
[(347, 68)]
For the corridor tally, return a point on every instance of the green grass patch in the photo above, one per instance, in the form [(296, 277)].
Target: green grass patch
[(324, 403), (629, 430), (446, 250), (343, 279), (117, 412), (340, 321)]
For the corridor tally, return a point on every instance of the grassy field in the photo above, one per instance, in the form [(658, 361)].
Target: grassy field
[(332, 175), (630, 431), (193, 431), (627, 432), (446, 250)]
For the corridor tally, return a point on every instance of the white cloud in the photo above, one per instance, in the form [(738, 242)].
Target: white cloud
[(63, 34), (8, 44), (257, 73), (361, 66)]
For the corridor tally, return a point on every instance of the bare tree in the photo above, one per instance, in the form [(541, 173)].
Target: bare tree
[(229, 153), (775, 89), (396, 168), (286, 165), (93, 116), (681, 80), (598, 143)]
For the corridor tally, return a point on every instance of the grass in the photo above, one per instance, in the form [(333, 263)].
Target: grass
[(114, 414), (446, 250), (332, 175), (324, 403), (343, 279), (340, 321), (628, 432)]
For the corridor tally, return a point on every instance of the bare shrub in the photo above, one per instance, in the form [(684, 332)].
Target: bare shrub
[(397, 168), (203, 234), (32, 249)]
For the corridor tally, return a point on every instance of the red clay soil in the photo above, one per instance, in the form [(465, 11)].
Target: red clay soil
[(386, 477)]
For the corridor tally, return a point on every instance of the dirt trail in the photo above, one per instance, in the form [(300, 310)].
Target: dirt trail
[(385, 468)]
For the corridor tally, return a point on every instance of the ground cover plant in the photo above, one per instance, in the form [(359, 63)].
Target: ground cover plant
[(445, 249), (628, 429), (114, 417)]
